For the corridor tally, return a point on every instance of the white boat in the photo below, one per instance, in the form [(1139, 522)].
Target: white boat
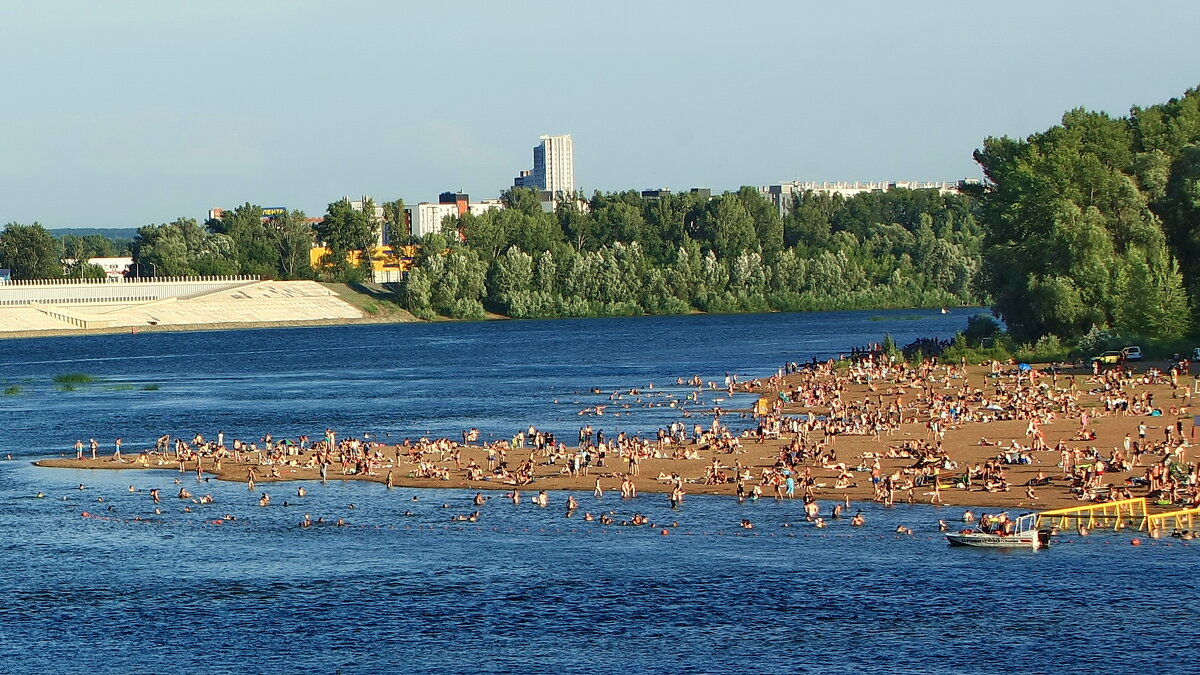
[(1024, 534)]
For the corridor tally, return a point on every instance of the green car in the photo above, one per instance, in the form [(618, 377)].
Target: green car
[(1110, 357)]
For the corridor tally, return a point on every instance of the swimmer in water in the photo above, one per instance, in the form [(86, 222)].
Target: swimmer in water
[(858, 520)]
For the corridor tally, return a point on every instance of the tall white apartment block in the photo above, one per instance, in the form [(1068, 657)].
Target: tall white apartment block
[(553, 167)]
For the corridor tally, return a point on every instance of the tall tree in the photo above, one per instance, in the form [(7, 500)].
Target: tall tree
[(30, 252), (343, 230), (292, 237), (1065, 221), (395, 223)]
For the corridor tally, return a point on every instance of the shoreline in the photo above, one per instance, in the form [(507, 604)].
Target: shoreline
[(202, 327), (967, 443), (360, 300), (610, 481)]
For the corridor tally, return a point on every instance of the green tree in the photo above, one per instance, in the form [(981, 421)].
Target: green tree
[(30, 252), (343, 229), (617, 222), (253, 248), (395, 223), (728, 227), (510, 278), (182, 248), (522, 200), (292, 237), (99, 246), (768, 226)]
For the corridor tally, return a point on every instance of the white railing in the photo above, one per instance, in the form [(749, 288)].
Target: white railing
[(125, 280), (136, 289)]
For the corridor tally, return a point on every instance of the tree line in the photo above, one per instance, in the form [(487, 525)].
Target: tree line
[(625, 254), (240, 241), (615, 254)]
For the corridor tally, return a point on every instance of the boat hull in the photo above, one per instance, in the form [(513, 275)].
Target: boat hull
[(1031, 540)]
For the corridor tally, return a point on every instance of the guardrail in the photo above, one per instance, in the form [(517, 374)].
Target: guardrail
[(125, 280), (135, 289), (1116, 514)]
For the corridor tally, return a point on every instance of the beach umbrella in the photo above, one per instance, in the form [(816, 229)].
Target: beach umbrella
[(1024, 366)]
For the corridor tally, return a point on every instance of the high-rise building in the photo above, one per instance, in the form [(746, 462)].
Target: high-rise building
[(553, 167)]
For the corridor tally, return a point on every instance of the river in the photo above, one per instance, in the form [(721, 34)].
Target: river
[(402, 588)]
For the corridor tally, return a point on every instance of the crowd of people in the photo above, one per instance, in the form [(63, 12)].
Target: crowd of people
[(869, 426)]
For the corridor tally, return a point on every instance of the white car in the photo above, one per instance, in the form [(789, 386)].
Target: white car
[(1132, 353)]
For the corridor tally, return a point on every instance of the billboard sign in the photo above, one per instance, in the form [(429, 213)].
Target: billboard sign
[(273, 211)]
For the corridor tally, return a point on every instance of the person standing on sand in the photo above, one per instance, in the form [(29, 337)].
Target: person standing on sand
[(94, 447), (388, 480), (117, 452), (78, 449)]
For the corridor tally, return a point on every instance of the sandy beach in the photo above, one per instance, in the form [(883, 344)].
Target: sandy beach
[(961, 440)]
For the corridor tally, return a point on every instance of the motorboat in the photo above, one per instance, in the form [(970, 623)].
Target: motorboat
[(1023, 534)]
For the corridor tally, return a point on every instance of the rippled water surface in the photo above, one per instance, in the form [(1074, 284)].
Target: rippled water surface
[(402, 588)]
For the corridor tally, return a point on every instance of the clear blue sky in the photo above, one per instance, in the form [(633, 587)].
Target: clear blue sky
[(120, 114)]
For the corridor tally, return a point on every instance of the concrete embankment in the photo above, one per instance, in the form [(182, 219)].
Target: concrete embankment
[(239, 303)]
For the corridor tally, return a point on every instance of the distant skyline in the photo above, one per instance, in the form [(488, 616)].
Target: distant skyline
[(122, 114)]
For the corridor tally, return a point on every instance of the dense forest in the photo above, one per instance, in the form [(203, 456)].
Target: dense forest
[(616, 254), (626, 254), (1094, 223)]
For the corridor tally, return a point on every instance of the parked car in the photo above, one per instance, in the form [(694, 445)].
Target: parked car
[(1132, 353), (1110, 357)]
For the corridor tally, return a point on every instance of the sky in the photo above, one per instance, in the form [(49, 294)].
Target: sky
[(123, 114)]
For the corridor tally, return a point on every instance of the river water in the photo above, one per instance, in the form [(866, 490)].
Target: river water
[(402, 588)]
